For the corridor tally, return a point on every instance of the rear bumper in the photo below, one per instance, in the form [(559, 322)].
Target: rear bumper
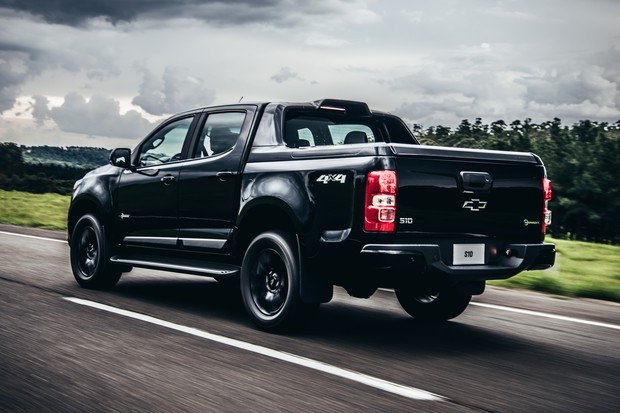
[(513, 259)]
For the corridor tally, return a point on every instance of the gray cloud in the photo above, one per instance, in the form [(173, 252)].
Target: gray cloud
[(99, 116), (571, 87), (15, 68), (29, 47), (571, 96), (75, 13), (8, 91), (71, 12), (448, 90), (27, 55), (445, 112), (175, 92), (285, 74), (40, 109)]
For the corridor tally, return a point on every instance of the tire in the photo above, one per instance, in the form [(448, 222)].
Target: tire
[(270, 286), (90, 255), (431, 304)]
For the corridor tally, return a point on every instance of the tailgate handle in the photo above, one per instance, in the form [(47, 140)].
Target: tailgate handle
[(476, 181)]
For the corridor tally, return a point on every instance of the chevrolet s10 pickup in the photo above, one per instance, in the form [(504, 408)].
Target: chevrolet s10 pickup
[(288, 200)]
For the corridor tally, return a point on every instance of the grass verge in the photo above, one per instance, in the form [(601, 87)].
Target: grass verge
[(582, 269), (34, 210)]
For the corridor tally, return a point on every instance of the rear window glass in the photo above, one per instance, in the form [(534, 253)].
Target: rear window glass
[(311, 128)]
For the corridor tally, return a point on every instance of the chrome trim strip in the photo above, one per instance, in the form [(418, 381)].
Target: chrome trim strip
[(203, 243), (169, 241)]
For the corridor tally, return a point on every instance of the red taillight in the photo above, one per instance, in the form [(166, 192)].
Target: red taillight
[(547, 193), (380, 201)]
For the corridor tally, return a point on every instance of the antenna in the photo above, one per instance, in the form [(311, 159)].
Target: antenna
[(240, 99)]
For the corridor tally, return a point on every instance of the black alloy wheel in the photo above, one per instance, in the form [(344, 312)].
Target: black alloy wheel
[(270, 285), (90, 259)]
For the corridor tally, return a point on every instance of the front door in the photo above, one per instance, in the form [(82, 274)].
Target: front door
[(148, 196)]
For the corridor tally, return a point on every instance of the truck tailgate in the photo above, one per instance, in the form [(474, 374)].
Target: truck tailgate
[(455, 192)]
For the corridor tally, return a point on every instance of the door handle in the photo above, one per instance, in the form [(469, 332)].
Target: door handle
[(224, 175), (168, 179)]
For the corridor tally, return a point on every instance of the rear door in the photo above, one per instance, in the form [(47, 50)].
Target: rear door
[(210, 184)]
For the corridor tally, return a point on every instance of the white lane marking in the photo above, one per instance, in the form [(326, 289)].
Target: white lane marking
[(406, 391), (537, 314), (33, 236), (547, 315)]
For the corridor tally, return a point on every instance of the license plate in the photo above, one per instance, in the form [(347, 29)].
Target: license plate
[(468, 254)]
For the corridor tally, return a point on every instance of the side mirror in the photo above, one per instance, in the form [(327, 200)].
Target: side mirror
[(121, 157)]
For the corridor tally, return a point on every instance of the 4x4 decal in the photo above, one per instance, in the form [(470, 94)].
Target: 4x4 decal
[(326, 178)]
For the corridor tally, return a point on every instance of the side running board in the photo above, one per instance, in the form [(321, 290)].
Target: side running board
[(194, 267)]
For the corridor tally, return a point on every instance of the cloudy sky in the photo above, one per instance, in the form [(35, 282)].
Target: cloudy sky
[(104, 72)]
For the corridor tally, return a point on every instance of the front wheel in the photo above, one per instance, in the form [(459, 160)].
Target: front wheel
[(431, 304), (90, 255), (270, 287)]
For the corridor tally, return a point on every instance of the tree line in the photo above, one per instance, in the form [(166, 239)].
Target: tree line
[(582, 161), (46, 169), (75, 156)]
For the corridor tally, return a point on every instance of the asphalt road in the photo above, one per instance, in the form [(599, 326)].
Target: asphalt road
[(163, 342)]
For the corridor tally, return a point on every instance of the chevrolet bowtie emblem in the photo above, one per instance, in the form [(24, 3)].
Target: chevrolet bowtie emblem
[(475, 205)]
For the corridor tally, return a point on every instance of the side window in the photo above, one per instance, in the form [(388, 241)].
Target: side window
[(306, 138), (166, 144), (301, 133), (351, 133), (219, 133)]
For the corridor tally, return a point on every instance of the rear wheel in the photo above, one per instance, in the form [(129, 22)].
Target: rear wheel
[(90, 255), (270, 288), (431, 303)]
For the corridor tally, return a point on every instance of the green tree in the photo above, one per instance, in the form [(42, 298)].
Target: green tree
[(11, 159)]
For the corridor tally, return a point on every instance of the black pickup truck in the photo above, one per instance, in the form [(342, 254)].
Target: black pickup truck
[(290, 199)]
